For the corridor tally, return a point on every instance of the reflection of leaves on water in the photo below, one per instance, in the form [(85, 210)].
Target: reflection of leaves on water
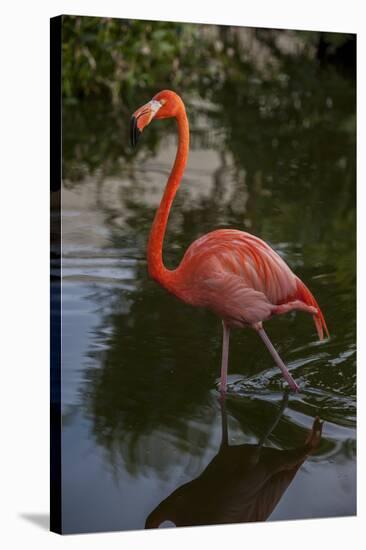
[(131, 402)]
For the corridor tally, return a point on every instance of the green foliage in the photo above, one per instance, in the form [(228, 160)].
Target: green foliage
[(123, 59)]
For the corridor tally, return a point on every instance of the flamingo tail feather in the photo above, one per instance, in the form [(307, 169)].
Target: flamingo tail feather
[(304, 294)]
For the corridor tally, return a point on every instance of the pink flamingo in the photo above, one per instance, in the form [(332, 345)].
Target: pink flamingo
[(235, 274)]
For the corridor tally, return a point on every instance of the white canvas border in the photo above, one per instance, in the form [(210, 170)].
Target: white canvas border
[(24, 222)]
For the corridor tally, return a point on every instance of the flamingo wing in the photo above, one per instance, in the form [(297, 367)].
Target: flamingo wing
[(232, 300), (243, 280)]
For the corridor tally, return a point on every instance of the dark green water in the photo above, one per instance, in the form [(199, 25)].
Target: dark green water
[(141, 415)]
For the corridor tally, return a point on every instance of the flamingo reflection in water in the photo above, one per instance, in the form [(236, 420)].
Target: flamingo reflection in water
[(243, 483)]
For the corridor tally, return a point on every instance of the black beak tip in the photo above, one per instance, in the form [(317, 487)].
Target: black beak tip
[(135, 133)]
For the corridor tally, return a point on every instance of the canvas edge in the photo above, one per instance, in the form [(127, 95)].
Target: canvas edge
[(55, 274)]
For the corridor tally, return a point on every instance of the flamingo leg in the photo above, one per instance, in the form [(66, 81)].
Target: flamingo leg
[(225, 357), (287, 376), (224, 431)]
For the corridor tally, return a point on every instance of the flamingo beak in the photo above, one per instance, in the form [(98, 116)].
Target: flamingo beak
[(141, 118)]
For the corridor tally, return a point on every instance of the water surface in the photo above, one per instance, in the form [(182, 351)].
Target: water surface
[(141, 415)]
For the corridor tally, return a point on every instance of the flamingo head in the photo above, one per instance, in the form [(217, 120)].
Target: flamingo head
[(165, 104)]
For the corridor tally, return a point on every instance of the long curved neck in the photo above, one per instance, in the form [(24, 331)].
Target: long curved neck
[(155, 263)]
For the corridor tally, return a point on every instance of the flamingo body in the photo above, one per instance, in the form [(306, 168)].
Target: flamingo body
[(233, 273), (241, 279)]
